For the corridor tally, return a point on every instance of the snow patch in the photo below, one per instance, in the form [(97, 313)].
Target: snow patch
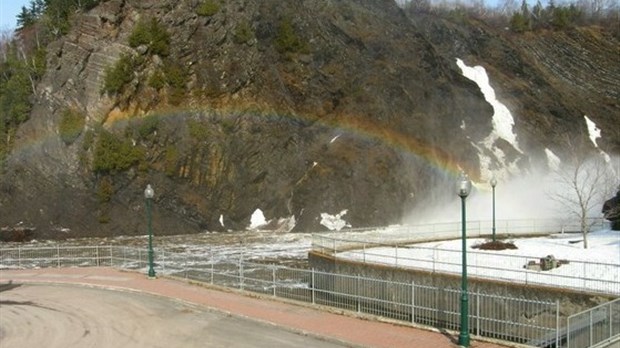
[(257, 219), (334, 222), (502, 122), (553, 161), (222, 220), (593, 131), (334, 138)]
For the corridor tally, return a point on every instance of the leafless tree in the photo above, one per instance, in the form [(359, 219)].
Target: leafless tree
[(583, 185)]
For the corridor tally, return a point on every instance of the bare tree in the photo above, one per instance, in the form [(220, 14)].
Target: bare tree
[(583, 185)]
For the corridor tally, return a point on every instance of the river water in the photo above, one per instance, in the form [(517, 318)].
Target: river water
[(287, 249)]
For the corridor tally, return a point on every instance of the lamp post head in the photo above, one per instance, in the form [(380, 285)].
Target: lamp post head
[(463, 185), (149, 193), (493, 182)]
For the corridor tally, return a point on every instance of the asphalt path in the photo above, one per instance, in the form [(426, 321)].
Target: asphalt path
[(41, 315)]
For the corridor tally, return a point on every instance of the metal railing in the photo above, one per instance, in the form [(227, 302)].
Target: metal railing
[(595, 327), (371, 248), (512, 319), (403, 234)]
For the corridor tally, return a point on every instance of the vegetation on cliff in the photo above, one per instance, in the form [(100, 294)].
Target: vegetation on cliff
[(296, 108)]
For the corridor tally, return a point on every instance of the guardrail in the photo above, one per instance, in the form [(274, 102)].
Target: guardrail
[(595, 327), (511, 319), (402, 234), (389, 247)]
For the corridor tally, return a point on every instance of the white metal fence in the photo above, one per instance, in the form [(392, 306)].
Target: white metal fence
[(596, 327), (389, 247), (512, 319), (535, 323), (405, 234)]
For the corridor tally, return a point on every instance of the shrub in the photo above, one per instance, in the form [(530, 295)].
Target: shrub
[(197, 130), (120, 74), (152, 34), (114, 155), (148, 126), (157, 80), (172, 159), (71, 125), (287, 40), (519, 23), (243, 33), (105, 189), (176, 76), (208, 8)]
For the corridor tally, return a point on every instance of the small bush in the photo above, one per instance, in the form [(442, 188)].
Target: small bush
[(157, 80), (243, 33), (172, 160), (208, 8), (113, 154), (71, 125), (198, 130), (120, 74), (288, 41), (176, 76), (152, 34), (148, 126), (105, 189)]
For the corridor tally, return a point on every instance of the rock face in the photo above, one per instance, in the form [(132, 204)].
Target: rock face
[(296, 108), (611, 211)]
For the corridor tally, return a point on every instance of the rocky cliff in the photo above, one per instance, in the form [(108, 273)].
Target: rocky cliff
[(296, 108)]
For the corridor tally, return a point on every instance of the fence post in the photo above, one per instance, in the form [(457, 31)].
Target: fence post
[(273, 279), (313, 286), (111, 257), (163, 260), (241, 270), (19, 257), (557, 326), (357, 293), (477, 312), (212, 268), (590, 345), (364, 252), (611, 331), (185, 266), (412, 302), (58, 255)]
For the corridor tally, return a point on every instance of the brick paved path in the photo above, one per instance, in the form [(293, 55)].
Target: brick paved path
[(323, 322)]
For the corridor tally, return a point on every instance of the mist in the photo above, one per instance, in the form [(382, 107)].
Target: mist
[(532, 195)]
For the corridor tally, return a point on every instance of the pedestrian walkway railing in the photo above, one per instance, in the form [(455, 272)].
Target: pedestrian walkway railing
[(595, 327), (521, 320), (402, 252), (511, 319)]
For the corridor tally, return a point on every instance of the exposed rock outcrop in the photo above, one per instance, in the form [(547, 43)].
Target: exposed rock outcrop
[(296, 108)]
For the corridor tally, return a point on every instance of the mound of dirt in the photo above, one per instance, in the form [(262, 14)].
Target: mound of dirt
[(495, 245)]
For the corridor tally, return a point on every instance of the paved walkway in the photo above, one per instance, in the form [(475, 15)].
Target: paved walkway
[(354, 331)]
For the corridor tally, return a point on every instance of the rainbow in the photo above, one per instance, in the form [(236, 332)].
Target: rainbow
[(361, 127)]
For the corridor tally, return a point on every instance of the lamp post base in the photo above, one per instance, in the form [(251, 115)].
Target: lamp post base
[(463, 340)]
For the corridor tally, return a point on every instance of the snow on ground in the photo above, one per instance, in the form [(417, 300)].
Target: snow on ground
[(596, 268)]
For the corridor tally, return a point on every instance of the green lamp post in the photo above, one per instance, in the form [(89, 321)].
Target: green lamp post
[(493, 184), (148, 195), (463, 188)]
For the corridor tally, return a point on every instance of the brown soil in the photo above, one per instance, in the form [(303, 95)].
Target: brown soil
[(495, 245)]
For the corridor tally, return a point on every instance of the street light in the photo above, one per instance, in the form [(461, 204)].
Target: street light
[(149, 194), (463, 188), (493, 184)]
